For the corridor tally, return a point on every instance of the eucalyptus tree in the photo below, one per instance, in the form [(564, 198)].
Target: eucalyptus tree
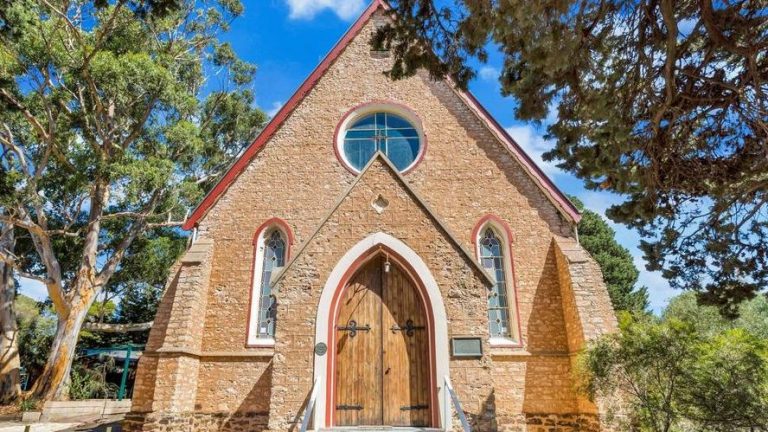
[(10, 362), (662, 101), (115, 116)]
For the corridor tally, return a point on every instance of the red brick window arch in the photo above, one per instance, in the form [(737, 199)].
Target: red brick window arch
[(271, 243), (493, 248)]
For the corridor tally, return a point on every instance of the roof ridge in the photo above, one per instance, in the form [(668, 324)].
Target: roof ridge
[(550, 190)]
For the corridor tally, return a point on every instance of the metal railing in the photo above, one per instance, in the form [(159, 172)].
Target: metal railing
[(310, 406), (456, 406)]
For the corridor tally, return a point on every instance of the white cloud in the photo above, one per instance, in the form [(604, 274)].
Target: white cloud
[(535, 145), (275, 108), (659, 291), (598, 202), (552, 114), (33, 288), (489, 73), (307, 9)]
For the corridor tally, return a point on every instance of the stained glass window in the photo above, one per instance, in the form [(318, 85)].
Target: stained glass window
[(492, 259), (391, 134), (274, 257)]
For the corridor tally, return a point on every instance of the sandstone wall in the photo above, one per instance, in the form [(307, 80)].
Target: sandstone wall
[(466, 173)]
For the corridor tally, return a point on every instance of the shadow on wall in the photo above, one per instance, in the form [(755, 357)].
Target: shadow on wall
[(297, 419), (163, 315), (546, 322), (549, 386), (485, 420), (253, 413)]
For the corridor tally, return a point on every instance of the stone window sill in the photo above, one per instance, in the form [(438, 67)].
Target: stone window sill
[(502, 342), (261, 343), (509, 352), (504, 347)]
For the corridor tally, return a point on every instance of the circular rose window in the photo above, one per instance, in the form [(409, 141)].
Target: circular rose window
[(392, 134)]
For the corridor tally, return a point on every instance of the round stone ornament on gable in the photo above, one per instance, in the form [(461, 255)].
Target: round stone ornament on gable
[(392, 129), (380, 204)]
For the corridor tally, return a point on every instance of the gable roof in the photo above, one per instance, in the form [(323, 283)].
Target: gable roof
[(379, 156), (558, 199)]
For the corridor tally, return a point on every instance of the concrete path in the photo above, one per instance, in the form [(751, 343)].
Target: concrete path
[(36, 427), (87, 425)]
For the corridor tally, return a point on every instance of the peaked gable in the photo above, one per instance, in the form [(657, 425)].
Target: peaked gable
[(544, 183), (379, 159)]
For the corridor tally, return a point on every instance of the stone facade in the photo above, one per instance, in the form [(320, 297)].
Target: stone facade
[(198, 372)]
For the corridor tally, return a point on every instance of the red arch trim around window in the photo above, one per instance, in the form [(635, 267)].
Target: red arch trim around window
[(283, 226), (498, 223), (279, 223)]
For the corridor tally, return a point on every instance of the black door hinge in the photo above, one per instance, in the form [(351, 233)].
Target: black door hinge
[(352, 328), (408, 329), (349, 407), (414, 407)]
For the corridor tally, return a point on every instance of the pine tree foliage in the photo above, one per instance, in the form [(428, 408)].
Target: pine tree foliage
[(662, 101)]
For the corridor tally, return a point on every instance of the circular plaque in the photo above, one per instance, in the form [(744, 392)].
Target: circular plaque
[(321, 348)]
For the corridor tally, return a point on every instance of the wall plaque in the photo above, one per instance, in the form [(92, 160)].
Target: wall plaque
[(466, 346)]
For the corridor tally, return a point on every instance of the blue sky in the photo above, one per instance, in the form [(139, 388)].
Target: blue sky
[(286, 39)]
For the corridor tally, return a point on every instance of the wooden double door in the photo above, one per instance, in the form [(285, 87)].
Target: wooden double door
[(382, 371)]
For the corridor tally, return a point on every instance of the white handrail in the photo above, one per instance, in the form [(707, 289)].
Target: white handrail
[(310, 405), (456, 406)]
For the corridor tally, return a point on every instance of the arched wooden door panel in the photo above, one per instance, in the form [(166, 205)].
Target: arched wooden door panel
[(382, 351), (358, 350), (405, 353)]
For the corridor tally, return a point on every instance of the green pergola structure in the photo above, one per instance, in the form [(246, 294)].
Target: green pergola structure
[(128, 349)]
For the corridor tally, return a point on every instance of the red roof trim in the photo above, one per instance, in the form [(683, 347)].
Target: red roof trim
[(242, 162), (274, 125), (544, 181)]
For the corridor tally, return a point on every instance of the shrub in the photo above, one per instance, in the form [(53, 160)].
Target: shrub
[(91, 383), (28, 404), (673, 377)]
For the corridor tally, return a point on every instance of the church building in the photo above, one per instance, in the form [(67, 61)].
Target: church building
[(382, 257)]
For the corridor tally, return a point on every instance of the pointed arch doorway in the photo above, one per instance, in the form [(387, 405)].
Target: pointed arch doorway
[(353, 371), (382, 345)]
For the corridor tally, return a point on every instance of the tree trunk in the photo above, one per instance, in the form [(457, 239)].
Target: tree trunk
[(53, 383), (10, 385)]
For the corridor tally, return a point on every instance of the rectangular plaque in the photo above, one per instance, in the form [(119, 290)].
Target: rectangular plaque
[(466, 346)]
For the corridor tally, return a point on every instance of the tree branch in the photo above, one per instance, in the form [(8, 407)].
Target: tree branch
[(118, 328), (27, 114), (44, 248), (109, 268)]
